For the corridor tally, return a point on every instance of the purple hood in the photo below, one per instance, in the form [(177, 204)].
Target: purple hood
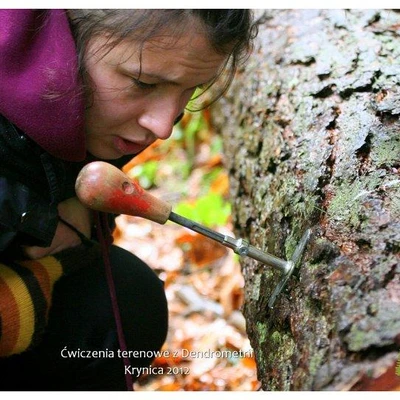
[(39, 85)]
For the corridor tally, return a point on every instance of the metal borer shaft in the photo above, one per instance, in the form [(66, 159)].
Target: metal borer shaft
[(239, 246), (243, 248), (194, 226)]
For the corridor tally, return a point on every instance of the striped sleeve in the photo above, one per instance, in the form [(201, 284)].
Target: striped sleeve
[(26, 289), (25, 298)]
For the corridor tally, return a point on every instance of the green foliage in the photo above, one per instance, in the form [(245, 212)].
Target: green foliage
[(217, 145), (187, 135), (146, 173), (174, 170), (210, 210), (209, 177)]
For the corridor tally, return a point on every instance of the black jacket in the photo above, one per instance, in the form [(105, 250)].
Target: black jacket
[(32, 184)]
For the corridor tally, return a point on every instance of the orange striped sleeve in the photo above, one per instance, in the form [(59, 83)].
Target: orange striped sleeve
[(47, 271), (25, 307), (9, 313)]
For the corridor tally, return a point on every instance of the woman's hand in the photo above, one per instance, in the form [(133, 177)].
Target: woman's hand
[(73, 212)]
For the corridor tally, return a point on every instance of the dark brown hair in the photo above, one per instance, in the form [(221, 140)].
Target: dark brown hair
[(230, 32)]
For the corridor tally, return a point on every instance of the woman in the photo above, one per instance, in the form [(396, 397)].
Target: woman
[(79, 86)]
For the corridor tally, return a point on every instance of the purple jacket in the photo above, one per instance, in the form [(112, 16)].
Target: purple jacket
[(39, 85)]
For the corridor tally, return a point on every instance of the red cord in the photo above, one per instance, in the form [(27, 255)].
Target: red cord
[(105, 239)]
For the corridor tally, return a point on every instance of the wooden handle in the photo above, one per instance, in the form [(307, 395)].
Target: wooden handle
[(103, 187)]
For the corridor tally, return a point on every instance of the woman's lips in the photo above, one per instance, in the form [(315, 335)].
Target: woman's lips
[(126, 147)]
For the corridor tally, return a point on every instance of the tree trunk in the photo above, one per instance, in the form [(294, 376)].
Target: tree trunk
[(311, 132)]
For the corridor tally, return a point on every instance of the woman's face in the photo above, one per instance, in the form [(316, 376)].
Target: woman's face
[(137, 101)]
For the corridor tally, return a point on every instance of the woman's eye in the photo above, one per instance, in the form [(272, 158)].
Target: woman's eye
[(142, 85)]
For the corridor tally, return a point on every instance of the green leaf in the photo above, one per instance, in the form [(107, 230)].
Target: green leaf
[(210, 210), (146, 173)]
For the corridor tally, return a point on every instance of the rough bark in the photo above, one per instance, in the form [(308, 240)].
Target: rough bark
[(311, 131)]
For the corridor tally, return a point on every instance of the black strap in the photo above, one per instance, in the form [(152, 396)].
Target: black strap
[(81, 236)]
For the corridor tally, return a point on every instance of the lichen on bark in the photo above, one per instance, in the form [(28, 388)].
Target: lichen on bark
[(311, 132)]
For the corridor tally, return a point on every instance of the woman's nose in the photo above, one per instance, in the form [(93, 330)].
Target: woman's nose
[(160, 120), (161, 114)]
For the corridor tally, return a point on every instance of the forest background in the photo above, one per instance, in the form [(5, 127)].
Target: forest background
[(207, 347)]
